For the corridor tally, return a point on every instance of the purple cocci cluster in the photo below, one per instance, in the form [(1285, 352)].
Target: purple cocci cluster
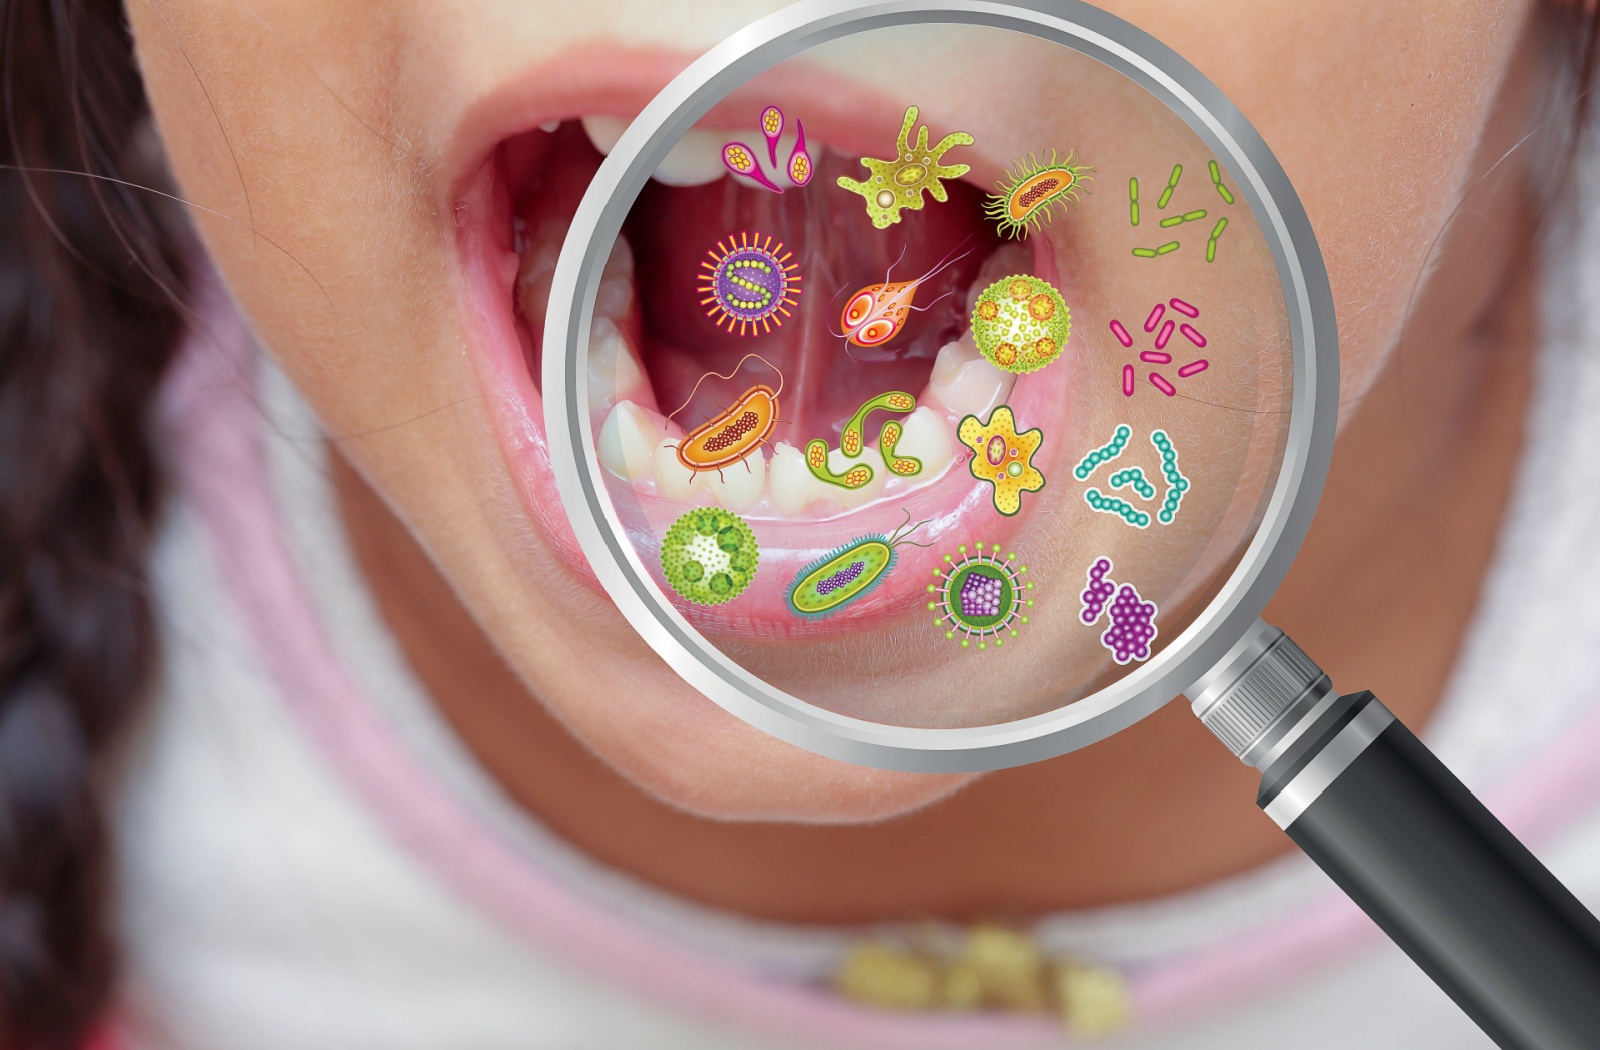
[(1098, 592), (845, 575), (980, 595), (1133, 620), (1133, 626)]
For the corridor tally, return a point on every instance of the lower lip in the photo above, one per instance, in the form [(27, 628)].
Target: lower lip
[(957, 509)]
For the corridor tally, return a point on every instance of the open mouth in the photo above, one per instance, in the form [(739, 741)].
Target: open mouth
[(662, 363)]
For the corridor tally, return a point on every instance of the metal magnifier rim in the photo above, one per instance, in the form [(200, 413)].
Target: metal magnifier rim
[(1309, 302)]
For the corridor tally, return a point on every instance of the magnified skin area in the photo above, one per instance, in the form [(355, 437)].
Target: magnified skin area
[(357, 139)]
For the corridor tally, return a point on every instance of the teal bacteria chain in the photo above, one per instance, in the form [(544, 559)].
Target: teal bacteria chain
[(1115, 505), (1133, 477), (1104, 454), (1177, 484)]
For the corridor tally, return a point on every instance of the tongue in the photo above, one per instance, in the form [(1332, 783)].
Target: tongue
[(838, 252)]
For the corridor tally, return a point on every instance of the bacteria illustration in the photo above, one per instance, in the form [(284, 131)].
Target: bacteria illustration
[(852, 442), (1191, 215), (1161, 355), (1133, 620), (743, 161), (980, 596), (749, 284), (737, 431), (876, 313), (846, 573), (709, 556), (1003, 457), (1134, 478), (1177, 484), (899, 183), (1020, 323), (1030, 191)]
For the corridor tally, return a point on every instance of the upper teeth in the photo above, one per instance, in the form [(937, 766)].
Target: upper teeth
[(696, 159)]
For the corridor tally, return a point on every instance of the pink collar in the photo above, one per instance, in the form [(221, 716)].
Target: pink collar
[(212, 409)]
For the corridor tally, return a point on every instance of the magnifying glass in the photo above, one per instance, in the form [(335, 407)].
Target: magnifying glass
[(1027, 462)]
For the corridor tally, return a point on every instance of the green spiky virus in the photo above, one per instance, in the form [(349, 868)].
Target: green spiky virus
[(1020, 323), (709, 556)]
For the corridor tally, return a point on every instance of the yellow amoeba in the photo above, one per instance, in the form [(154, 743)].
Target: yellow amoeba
[(898, 183), (1003, 457)]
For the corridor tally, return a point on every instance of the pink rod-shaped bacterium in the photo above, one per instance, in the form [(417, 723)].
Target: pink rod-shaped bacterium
[(1166, 334), (1159, 381), (1193, 336), (1127, 380), (1155, 357), (1185, 309), (1154, 318), (1121, 333), (1193, 368)]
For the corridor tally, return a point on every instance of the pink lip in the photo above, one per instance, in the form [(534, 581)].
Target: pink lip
[(957, 509)]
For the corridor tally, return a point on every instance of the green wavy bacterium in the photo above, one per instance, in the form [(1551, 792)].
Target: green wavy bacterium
[(847, 572), (1177, 484), (1118, 506), (709, 556), (1104, 454)]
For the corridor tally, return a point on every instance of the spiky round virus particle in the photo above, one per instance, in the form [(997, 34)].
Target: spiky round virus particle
[(709, 556), (749, 284), (980, 597), (1020, 323)]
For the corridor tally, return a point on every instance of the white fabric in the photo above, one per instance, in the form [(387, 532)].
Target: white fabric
[(263, 908)]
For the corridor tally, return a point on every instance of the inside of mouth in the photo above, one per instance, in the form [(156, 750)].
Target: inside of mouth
[(689, 369), (1128, 503)]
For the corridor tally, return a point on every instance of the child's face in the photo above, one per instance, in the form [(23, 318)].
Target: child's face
[(356, 151)]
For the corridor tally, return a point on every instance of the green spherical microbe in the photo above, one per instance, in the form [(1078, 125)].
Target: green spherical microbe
[(1020, 323), (709, 556)]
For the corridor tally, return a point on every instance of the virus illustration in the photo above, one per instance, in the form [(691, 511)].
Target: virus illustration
[(846, 573), (899, 183), (852, 442), (876, 313), (709, 556), (738, 430), (980, 596), (749, 284), (1133, 620), (1020, 323), (1160, 355), (1003, 457), (742, 160), (1031, 190)]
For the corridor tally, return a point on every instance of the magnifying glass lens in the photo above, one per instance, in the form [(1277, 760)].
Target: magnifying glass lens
[(955, 382)]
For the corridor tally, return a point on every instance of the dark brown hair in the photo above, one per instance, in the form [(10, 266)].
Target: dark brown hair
[(91, 310), (91, 274)]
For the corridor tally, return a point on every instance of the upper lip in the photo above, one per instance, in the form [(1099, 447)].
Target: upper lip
[(605, 79)]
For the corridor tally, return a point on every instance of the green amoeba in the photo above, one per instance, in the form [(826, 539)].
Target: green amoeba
[(899, 183), (710, 556)]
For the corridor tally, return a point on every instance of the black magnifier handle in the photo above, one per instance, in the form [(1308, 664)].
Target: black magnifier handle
[(1399, 833)]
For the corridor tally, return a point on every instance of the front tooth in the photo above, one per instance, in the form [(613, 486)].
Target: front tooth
[(839, 463), (676, 481), (926, 437), (604, 130), (614, 371), (790, 484), (740, 485), (628, 439), (694, 161), (964, 382)]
